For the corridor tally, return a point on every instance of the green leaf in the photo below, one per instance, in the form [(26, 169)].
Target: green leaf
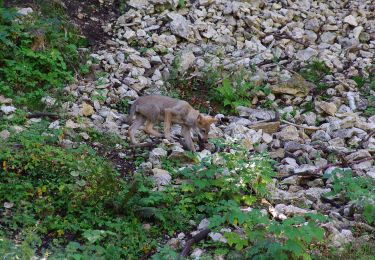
[(93, 235), (74, 173), (81, 183), (234, 239), (294, 246), (369, 213)]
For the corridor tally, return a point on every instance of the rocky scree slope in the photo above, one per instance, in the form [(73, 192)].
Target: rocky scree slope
[(208, 33)]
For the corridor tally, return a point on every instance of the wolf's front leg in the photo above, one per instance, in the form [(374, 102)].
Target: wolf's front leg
[(167, 123), (186, 133)]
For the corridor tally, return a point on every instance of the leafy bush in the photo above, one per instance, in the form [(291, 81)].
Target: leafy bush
[(64, 197), (214, 89), (234, 95), (366, 87), (217, 188), (37, 54), (72, 202), (359, 190), (314, 72)]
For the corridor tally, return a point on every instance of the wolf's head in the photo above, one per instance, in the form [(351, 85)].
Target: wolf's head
[(204, 124)]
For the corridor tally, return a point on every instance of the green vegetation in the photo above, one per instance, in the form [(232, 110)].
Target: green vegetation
[(355, 251), (215, 89), (72, 203), (63, 196), (314, 72), (37, 54), (366, 86), (359, 190)]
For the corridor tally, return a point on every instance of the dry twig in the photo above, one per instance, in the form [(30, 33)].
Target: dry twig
[(195, 239)]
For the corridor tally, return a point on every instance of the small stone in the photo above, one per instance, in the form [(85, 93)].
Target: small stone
[(289, 133), (139, 61), (4, 100), (71, 124), (296, 86), (320, 135), (138, 4), (309, 118), (161, 177), (187, 60), (328, 37), (350, 19), (4, 134), (7, 109), (342, 238), (197, 253), (290, 210), (49, 101), (179, 25), (25, 11), (314, 194), (181, 236), (290, 161), (8, 205), (203, 224), (267, 138), (84, 135), (217, 237), (205, 2), (54, 125), (260, 114), (306, 54), (327, 107), (174, 243), (305, 169), (358, 155), (87, 110), (156, 155), (278, 153), (146, 226)]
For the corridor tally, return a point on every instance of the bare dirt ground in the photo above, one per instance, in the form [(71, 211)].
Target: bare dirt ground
[(89, 16)]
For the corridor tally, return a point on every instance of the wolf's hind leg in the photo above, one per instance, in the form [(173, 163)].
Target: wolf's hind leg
[(150, 130), (138, 122)]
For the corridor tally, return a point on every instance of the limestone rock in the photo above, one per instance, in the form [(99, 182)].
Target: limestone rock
[(289, 133), (7, 109), (179, 25), (87, 110), (296, 86), (350, 19), (161, 177), (326, 107)]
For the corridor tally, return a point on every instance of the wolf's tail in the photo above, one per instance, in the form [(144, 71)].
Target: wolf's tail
[(132, 111)]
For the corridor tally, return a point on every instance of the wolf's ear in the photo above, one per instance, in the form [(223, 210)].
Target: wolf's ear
[(200, 118)]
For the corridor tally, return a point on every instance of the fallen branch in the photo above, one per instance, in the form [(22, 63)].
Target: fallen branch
[(43, 114), (315, 173), (146, 144), (362, 225), (367, 138), (345, 164), (301, 126), (195, 239), (282, 36), (302, 174), (330, 201)]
